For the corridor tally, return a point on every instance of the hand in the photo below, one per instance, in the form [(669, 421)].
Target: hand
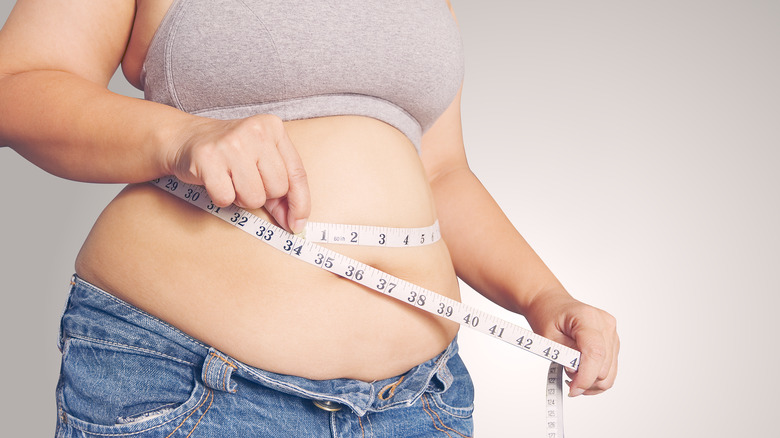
[(250, 162), (590, 330)]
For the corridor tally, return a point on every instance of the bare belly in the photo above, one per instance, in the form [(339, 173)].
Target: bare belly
[(265, 308)]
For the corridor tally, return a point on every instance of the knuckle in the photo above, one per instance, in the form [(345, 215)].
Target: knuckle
[(272, 120), (222, 198), (297, 175), (611, 322), (265, 126), (276, 188), (253, 199), (597, 352), (604, 385)]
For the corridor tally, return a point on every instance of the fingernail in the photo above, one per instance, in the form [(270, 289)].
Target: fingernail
[(574, 392), (299, 227)]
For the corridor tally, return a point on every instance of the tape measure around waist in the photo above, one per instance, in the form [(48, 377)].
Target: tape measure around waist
[(382, 282), (364, 235)]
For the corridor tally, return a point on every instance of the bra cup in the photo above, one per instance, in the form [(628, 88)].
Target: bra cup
[(225, 61)]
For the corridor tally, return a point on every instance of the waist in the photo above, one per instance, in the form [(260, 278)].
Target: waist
[(265, 308)]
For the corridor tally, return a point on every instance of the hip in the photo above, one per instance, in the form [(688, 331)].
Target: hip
[(171, 383)]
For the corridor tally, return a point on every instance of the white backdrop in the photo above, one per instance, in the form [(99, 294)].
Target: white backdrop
[(633, 143)]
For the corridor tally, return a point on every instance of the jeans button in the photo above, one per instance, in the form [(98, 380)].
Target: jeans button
[(327, 405)]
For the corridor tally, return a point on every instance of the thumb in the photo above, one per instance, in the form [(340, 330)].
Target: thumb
[(277, 208)]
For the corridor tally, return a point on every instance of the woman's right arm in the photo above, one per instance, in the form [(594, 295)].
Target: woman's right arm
[(56, 59)]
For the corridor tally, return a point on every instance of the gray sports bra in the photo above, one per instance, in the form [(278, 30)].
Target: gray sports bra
[(399, 61)]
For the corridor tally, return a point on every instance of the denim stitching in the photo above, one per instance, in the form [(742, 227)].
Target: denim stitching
[(333, 425), (370, 426), (426, 399), (200, 403), (224, 373), (427, 411), (201, 415), (392, 388), (210, 393), (231, 364), (449, 411), (206, 370), (130, 347)]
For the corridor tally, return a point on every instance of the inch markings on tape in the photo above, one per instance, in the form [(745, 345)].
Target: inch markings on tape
[(389, 285), (365, 235), (555, 401)]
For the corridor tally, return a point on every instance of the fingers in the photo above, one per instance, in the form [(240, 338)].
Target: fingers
[(599, 344), (298, 196), (248, 162)]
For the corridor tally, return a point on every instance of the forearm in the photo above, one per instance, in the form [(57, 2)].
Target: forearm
[(76, 129), (487, 251)]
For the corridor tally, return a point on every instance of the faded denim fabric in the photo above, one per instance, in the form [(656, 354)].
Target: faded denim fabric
[(127, 373)]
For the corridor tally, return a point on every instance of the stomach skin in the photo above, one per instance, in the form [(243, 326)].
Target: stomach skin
[(265, 308)]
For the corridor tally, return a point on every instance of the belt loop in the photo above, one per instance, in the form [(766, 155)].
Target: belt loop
[(217, 372), (65, 307), (444, 376)]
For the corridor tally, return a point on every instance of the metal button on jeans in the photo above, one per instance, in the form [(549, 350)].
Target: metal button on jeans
[(327, 405)]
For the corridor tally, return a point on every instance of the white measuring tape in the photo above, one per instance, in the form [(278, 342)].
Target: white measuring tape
[(364, 235), (308, 251)]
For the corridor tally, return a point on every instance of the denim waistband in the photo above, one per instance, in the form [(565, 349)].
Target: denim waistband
[(95, 315)]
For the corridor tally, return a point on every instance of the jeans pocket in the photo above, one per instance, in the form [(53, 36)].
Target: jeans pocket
[(113, 389), (455, 398)]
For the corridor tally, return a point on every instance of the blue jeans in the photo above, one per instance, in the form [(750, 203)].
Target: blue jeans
[(127, 373)]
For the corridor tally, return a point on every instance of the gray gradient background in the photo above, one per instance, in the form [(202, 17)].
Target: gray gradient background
[(633, 143)]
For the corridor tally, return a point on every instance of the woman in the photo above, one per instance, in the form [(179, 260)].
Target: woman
[(339, 112)]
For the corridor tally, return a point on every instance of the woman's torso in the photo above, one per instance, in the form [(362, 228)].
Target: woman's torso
[(264, 307)]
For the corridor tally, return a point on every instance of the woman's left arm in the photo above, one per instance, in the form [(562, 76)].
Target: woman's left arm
[(491, 256)]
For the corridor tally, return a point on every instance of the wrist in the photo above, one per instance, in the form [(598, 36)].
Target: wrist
[(553, 296), (170, 138)]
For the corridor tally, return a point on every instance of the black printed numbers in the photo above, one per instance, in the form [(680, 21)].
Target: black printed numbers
[(213, 208), (192, 195), (525, 342), (172, 185), (444, 310), (415, 298), (325, 262), (266, 234), (238, 219), (471, 320), (358, 273), (384, 284), (288, 246), (496, 331)]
